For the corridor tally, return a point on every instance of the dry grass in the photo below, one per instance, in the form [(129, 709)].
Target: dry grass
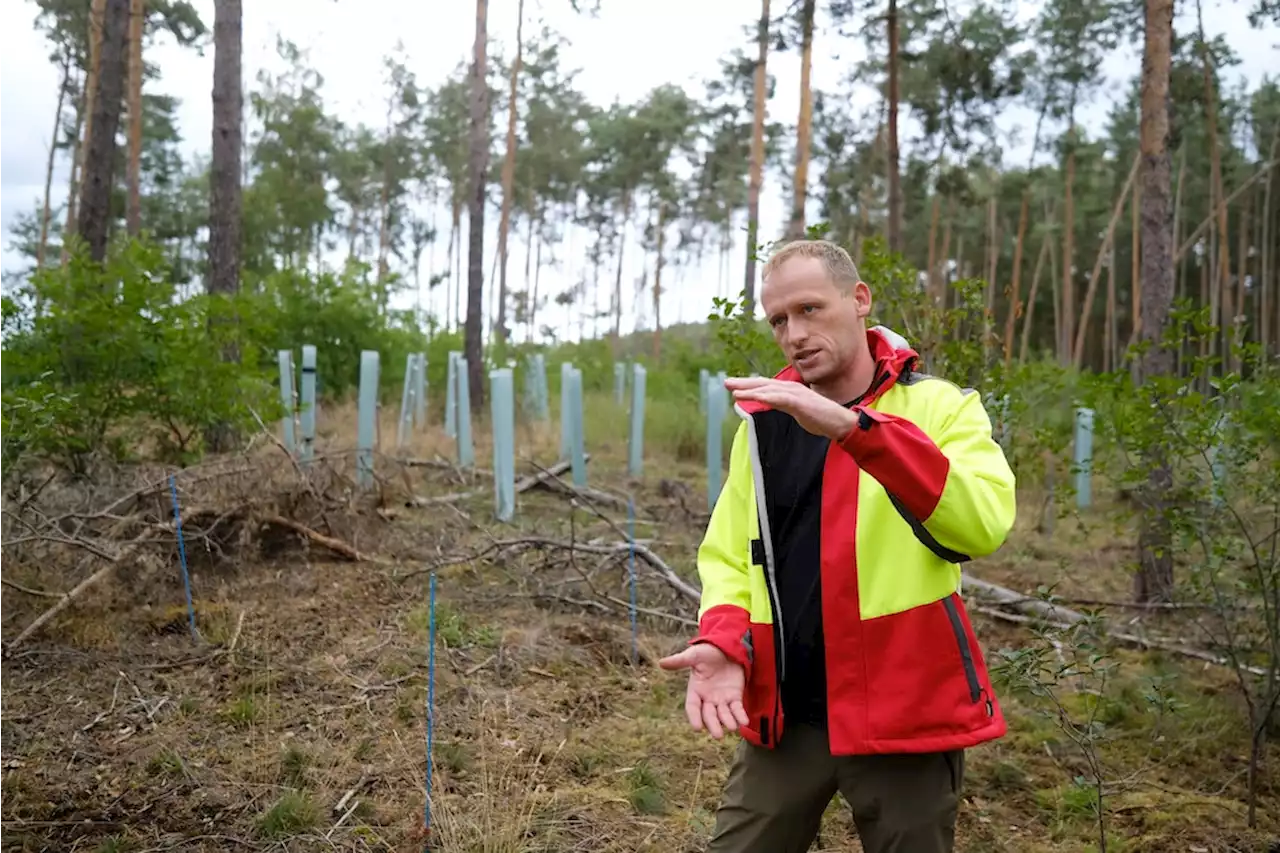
[(120, 735)]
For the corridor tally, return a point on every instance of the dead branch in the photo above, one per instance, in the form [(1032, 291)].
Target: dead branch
[(337, 546), (1132, 640), (524, 484), (66, 600), (39, 593), (655, 562), (1010, 600)]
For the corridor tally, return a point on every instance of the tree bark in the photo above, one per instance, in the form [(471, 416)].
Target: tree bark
[(479, 165), (1068, 293), (508, 182), (804, 125), (225, 178), (1015, 286), (45, 211), (657, 282), (94, 221), (1031, 303), (1154, 580), (757, 161), (224, 168), (1265, 284), (895, 178), (84, 121), (133, 173), (1108, 240)]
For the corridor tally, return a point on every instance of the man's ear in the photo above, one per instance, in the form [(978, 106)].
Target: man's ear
[(862, 296)]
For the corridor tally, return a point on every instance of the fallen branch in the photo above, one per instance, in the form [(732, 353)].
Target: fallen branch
[(1020, 603), (337, 546), (1132, 640), (524, 484), (613, 548), (39, 593), (66, 600)]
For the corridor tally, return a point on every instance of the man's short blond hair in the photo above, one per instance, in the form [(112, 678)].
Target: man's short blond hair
[(835, 260)]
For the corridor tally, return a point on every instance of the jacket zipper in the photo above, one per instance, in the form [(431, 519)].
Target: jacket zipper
[(770, 576), (966, 655)]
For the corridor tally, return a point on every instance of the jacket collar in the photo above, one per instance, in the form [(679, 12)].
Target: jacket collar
[(893, 356)]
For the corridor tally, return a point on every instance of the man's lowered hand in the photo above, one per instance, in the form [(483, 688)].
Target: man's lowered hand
[(714, 696)]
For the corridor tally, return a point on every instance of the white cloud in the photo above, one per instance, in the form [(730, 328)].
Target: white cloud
[(629, 49)]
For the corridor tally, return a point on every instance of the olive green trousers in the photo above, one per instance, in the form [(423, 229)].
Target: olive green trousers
[(774, 799)]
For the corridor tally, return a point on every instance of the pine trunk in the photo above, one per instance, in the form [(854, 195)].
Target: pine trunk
[(804, 125), (1015, 287), (508, 180), (478, 166), (225, 176), (133, 173), (895, 178), (45, 211), (757, 161), (94, 219), (1154, 579)]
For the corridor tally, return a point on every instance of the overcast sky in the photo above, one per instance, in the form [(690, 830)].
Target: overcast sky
[(631, 47)]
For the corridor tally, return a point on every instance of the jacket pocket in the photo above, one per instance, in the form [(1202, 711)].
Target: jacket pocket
[(966, 653)]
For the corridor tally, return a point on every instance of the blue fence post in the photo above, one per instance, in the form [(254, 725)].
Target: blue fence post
[(538, 382), (715, 425), (182, 557), (635, 444), (307, 417), (451, 396), (704, 376), (577, 440), (431, 698), (462, 406), (1083, 446), (408, 403), (566, 420), (287, 398), (535, 388), (503, 404), (367, 424), (420, 392)]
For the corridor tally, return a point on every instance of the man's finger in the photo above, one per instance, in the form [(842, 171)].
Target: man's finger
[(693, 710), (726, 717), (739, 712), (680, 660), (712, 720)]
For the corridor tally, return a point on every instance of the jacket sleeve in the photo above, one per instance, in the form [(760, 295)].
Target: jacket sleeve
[(958, 492), (724, 614)]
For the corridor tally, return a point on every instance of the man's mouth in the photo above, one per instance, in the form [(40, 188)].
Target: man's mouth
[(806, 355)]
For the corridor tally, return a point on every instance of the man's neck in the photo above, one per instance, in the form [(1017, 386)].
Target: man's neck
[(852, 383)]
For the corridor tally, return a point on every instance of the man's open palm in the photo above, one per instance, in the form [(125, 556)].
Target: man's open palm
[(714, 695)]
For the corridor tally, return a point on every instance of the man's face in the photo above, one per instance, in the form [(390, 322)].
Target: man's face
[(820, 326)]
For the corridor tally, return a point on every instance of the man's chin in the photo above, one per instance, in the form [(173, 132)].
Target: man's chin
[(812, 374)]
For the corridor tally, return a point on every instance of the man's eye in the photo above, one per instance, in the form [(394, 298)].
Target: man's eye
[(809, 308)]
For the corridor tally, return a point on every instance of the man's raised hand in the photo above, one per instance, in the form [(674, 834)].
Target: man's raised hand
[(714, 697), (814, 412)]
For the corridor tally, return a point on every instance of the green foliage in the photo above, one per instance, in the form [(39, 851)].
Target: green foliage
[(748, 348), (109, 361)]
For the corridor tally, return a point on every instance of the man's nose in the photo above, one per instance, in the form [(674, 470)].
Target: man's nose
[(797, 331)]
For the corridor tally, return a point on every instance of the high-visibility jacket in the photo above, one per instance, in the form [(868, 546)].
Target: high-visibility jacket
[(918, 487)]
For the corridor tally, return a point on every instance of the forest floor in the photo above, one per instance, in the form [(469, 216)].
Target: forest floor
[(297, 722)]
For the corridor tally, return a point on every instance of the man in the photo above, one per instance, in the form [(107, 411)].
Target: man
[(831, 631)]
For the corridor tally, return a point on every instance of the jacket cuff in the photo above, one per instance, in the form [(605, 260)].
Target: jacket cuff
[(728, 628), (901, 457)]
